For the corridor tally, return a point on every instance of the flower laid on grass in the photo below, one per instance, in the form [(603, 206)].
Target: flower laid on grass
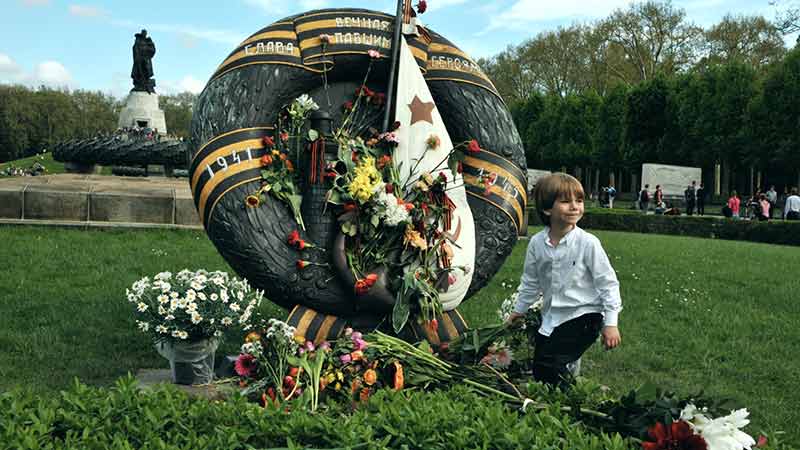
[(678, 436)]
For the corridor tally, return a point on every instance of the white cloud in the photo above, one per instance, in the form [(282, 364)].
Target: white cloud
[(191, 84), (435, 5), (276, 8), (187, 32), (36, 2), (52, 73), (87, 11), (525, 12), (48, 73), (10, 71)]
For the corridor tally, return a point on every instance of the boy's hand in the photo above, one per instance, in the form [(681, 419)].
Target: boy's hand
[(515, 318), (611, 337)]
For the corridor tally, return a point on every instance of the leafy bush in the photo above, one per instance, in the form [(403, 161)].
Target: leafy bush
[(125, 417), (775, 232)]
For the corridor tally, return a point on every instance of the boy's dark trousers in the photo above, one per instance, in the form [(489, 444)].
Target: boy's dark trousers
[(565, 344)]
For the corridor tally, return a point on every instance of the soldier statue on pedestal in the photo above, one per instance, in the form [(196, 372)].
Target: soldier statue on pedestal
[(143, 51)]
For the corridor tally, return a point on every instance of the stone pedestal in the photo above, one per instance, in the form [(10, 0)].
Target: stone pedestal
[(141, 109)]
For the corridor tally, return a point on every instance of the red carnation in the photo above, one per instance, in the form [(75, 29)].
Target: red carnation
[(678, 436), (294, 236), (473, 147), (302, 264), (371, 279), (422, 6), (361, 287)]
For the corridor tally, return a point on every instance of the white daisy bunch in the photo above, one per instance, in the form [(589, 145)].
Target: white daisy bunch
[(192, 305), (507, 307)]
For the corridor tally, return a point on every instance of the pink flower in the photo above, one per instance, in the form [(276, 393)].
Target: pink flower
[(245, 365), (374, 54), (325, 345), (360, 344), (355, 335), (345, 358), (310, 346)]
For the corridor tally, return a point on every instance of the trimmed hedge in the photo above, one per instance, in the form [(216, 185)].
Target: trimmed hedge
[(124, 417), (773, 232)]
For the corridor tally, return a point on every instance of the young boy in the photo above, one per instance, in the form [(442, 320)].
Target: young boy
[(571, 269)]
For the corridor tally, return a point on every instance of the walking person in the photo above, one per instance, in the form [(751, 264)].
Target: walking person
[(791, 210), (700, 199), (580, 288)]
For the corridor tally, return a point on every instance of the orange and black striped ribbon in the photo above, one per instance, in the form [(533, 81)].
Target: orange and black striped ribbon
[(224, 163), (508, 192), (296, 42), (317, 327)]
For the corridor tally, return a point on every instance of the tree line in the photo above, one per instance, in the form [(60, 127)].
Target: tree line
[(33, 120), (647, 85)]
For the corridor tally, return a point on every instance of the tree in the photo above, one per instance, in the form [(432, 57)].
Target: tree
[(752, 40), (178, 112), (787, 18), (513, 81), (654, 38)]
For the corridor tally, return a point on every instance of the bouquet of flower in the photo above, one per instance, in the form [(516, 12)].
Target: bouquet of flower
[(192, 305)]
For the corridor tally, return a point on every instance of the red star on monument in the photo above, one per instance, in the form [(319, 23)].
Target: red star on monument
[(421, 111)]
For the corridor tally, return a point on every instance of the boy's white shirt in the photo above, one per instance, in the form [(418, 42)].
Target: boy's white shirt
[(575, 278)]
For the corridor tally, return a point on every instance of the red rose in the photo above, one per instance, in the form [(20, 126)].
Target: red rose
[(266, 160), (678, 436), (371, 279), (422, 6), (473, 147), (268, 141), (294, 236)]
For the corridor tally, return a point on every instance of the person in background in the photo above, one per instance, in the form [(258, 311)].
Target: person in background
[(581, 297), (772, 198), (644, 198), (659, 195), (791, 210), (700, 196), (688, 196), (734, 203), (765, 207), (611, 194)]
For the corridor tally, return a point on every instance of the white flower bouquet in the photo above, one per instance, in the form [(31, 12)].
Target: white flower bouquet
[(191, 306)]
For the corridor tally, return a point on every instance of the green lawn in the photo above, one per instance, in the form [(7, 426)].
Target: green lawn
[(45, 159), (699, 314)]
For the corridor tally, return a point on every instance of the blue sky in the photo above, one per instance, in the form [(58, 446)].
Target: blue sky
[(88, 45)]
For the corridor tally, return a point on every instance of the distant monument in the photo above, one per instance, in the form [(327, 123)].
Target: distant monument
[(141, 108), (142, 72)]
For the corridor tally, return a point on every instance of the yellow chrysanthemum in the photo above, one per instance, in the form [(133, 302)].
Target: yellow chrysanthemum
[(365, 181)]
